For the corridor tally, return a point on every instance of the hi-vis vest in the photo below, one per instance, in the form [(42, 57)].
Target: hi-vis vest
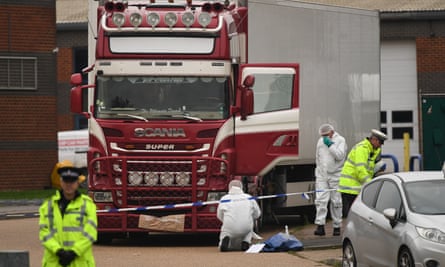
[(76, 230), (358, 168)]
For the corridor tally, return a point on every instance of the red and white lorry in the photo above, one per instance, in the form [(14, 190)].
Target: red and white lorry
[(186, 95)]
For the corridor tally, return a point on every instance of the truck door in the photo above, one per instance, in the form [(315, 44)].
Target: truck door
[(269, 136)]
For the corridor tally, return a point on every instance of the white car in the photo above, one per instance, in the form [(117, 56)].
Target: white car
[(397, 219)]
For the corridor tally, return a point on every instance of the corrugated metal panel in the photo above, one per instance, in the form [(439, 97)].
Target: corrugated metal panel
[(72, 11), (76, 11), (388, 5)]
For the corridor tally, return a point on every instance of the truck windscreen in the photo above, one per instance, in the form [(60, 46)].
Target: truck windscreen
[(157, 97)]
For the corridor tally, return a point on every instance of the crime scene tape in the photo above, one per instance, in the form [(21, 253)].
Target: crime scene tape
[(305, 195)]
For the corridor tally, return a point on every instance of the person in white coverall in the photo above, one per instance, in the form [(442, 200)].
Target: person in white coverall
[(237, 217), (329, 158)]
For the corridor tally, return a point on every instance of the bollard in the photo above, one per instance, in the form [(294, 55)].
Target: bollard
[(14, 258)]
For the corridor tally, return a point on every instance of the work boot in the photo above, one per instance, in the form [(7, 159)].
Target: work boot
[(336, 231), (245, 246), (320, 230), (225, 244)]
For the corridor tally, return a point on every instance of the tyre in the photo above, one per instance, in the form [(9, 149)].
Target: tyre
[(348, 258), (405, 258)]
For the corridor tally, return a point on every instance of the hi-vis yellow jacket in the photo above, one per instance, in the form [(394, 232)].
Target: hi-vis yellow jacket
[(358, 168), (76, 230)]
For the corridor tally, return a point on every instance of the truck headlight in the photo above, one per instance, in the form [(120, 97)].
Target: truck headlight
[(183, 179), (135, 178), (167, 179), (104, 196), (215, 196), (151, 178)]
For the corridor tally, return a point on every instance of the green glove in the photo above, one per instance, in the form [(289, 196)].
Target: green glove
[(327, 141)]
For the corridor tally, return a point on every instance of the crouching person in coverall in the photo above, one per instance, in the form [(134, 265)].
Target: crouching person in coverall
[(68, 224), (237, 217)]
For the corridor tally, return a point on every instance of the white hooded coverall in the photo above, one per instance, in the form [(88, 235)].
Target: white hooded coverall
[(237, 217), (329, 162)]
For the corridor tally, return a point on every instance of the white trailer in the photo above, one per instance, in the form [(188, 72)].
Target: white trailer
[(338, 50)]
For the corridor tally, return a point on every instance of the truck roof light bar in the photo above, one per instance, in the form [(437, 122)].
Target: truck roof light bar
[(153, 19)]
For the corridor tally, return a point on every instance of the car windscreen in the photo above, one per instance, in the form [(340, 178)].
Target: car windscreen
[(425, 197)]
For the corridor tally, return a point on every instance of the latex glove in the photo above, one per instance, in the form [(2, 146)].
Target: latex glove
[(327, 141)]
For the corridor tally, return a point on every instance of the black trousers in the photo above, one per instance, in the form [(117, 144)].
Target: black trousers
[(347, 200)]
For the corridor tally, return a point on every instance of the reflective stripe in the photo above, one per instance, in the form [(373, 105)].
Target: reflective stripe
[(356, 164), (72, 229), (353, 178), (68, 243), (87, 235), (92, 223), (51, 227), (349, 188)]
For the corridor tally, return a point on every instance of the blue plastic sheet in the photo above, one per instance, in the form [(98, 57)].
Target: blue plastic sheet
[(282, 242)]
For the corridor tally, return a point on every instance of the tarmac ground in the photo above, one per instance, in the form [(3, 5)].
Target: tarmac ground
[(14, 209), (322, 251)]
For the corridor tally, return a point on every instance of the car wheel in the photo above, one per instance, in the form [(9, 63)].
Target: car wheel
[(405, 258), (348, 259)]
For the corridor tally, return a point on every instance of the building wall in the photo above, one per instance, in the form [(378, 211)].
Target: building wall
[(28, 129), (430, 49), (427, 31), (68, 42)]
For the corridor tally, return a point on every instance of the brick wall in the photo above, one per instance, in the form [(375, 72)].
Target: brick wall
[(28, 132), (431, 65)]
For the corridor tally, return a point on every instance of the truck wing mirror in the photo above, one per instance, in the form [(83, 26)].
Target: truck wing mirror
[(76, 79), (249, 81), (247, 97), (76, 98), (79, 95)]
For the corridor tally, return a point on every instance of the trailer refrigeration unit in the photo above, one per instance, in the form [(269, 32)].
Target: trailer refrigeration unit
[(187, 95)]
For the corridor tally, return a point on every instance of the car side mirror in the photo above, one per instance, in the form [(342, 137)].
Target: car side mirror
[(391, 214)]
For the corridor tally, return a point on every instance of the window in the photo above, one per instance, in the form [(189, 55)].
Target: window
[(369, 193), (389, 197), (382, 116), (397, 132), (397, 122), (402, 116), (18, 73), (272, 92)]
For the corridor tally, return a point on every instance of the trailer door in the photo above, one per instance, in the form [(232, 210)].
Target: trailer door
[(269, 136)]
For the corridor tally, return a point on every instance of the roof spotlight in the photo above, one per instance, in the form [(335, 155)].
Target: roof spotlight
[(188, 18), (207, 7), (118, 19), (153, 19), (135, 19), (109, 6), (119, 7), (170, 19), (204, 19), (217, 7)]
